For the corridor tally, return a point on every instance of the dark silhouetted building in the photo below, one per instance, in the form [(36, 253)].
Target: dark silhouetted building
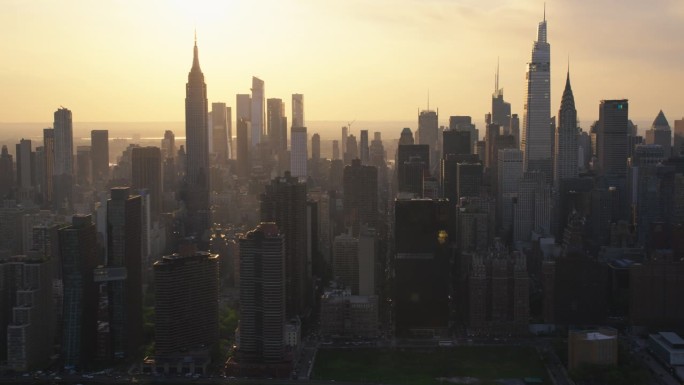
[(197, 147), (146, 174), (99, 145), (124, 253), (186, 303), (422, 267), (262, 295), (360, 196), (284, 202), (498, 293), (78, 253)]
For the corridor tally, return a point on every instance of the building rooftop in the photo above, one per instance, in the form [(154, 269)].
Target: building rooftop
[(672, 339), (595, 336)]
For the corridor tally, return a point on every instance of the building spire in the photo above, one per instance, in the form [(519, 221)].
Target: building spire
[(545, 11), (496, 77), (195, 56)]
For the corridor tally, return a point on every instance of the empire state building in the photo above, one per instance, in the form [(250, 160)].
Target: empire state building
[(197, 147), (537, 137)]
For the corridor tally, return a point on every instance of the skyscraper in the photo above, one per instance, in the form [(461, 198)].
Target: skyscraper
[(284, 202), (510, 171), (63, 168), (678, 149), (78, 253), (611, 137), (197, 147), (186, 303), (501, 110), (428, 133), (565, 164), (297, 110), (360, 196), (298, 152), (422, 273), (536, 138), (243, 161), (168, 145), (219, 130), (84, 165), (124, 252), (274, 122), (24, 165), (258, 113), (363, 147), (660, 133), (262, 295), (30, 328), (346, 262), (99, 144), (64, 142), (49, 149), (343, 142), (146, 174)]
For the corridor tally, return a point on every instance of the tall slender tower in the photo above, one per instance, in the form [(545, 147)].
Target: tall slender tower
[(297, 110), (197, 146), (63, 169), (537, 139), (258, 110), (565, 165)]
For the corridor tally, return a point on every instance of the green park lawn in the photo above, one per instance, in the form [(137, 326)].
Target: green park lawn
[(424, 366)]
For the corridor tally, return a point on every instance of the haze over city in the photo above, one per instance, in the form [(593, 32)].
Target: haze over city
[(354, 60), (376, 192)]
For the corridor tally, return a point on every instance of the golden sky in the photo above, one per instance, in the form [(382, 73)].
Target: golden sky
[(128, 60)]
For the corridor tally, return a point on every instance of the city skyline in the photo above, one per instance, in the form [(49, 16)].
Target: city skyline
[(359, 52)]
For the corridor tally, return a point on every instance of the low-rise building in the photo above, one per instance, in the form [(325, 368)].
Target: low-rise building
[(346, 315), (667, 346), (599, 347)]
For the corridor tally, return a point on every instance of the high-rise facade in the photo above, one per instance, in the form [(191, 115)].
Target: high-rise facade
[(219, 131), (364, 154), (262, 295), (421, 269), (258, 111), (197, 148), (284, 202), (510, 172), (274, 122), (24, 165), (64, 142), (678, 149), (146, 174), (49, 151), (63, 170), (346, 262), (78, 254), (99, 144), (84, 165), (242, 144), (360, 196), (501, 110), (428, 133), (661, 134), (30, 329), (537, 139), (297, 110), (186, 302), (565, 164), (298, 152), (124, 251), (6, 173), (611, 137)]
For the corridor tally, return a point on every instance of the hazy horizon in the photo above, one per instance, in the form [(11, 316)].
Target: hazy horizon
[(371, 61)]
